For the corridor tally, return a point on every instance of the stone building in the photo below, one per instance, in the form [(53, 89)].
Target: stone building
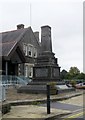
[(22, 47)]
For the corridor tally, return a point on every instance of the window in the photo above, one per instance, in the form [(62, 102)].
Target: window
[(19, 69), (30, 71), (25, 49), (26, 71), (35, 52), (30, 50)]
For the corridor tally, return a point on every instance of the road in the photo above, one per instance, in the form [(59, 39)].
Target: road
[(63, 106), (79, 114), (76, 111), (75, 105)]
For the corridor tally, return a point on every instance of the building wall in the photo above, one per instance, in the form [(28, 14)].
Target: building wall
[(31, 48)]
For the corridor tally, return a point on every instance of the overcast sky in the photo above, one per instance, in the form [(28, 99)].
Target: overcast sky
[(65, 18)]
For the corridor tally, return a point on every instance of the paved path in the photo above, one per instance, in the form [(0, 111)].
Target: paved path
[(63, 106), (36, 111), (79, 100), (32, 111)]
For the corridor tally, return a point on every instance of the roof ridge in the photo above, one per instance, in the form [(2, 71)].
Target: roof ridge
[(14, 30), (8, 42), (21, 35)]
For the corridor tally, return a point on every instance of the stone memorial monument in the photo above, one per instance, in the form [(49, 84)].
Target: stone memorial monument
[(46, 69)]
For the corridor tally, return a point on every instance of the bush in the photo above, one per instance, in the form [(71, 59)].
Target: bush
[(52, 88), (73, 83), (6, 108)]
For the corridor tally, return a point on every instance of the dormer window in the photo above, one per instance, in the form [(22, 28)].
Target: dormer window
[(30, 50)]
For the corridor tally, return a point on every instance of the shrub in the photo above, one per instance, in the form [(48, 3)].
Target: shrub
[(73, 83), (6, 108), (52, 88)]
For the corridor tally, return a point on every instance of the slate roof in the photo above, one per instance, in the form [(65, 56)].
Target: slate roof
[(9, 40), (7, 47), (13, 35)]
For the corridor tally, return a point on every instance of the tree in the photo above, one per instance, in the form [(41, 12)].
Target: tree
[(63, 74), (68, 76), (74, 72), (81, 76)]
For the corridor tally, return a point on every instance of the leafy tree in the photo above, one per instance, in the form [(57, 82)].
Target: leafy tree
[(63, 74), (68, 76), (81, 76), (74, 72)]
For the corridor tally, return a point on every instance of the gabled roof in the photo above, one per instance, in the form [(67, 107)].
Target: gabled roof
[(7, 47), (11, 38), (12, 35)]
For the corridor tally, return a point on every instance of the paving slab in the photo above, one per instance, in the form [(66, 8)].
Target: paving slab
[(33, 111), (79, 100)]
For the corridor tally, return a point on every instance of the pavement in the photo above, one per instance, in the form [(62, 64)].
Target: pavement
[(26, 109), (33, 112)]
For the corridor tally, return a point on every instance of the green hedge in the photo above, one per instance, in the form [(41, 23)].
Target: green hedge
[(6, 108)]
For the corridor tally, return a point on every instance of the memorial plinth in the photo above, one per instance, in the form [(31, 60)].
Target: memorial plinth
[(46, 69)]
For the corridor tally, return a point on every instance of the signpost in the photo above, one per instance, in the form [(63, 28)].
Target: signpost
[(48, 99)]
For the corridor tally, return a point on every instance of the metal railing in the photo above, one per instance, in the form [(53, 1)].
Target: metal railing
[(12, 80)]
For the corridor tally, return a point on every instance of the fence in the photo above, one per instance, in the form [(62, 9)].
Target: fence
[(2, 93)]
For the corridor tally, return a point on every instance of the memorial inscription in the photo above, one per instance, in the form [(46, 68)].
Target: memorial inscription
[(41, 72), (55, 72)]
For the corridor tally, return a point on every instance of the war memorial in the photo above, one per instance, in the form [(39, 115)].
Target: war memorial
[(46, 69)]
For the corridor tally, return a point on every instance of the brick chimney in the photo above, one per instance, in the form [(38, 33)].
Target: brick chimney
[(36, 35), (46, 42), (20, 26)]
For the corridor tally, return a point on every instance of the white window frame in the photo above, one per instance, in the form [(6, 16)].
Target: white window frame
[(26, 70), (25, 48), (31, 71), (35, 52), (19, 69), (30, 49)]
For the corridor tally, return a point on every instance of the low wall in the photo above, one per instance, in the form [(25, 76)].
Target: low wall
[(65, 90)]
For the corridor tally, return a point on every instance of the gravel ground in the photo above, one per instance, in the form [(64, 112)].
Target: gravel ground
[(32, 111), (12, 95)]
